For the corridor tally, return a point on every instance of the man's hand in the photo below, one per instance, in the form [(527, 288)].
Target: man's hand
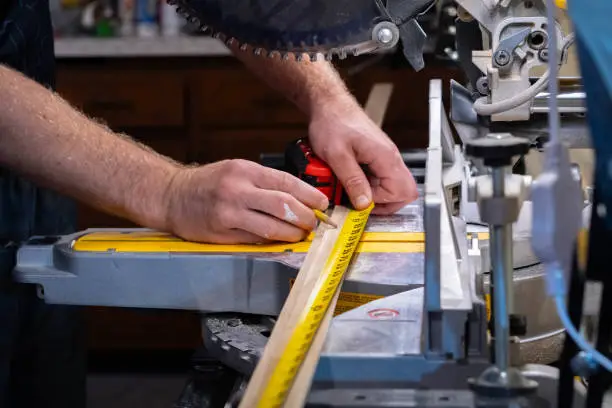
[(343, 136), (340, 131), (238, 201)]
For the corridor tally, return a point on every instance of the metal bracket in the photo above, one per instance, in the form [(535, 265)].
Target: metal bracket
[(504, 55)]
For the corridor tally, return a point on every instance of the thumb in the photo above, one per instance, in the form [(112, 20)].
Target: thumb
[(353, 179)]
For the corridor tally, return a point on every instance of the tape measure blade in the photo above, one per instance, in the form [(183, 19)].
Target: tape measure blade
[(303, 287), (335, 251), (301, 384)]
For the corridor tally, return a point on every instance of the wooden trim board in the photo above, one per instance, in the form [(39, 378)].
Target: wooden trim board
[(298, 298), (375, 108)]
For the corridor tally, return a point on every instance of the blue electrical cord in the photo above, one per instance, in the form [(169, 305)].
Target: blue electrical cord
[(555, 278), (578, 338), (556, 288)]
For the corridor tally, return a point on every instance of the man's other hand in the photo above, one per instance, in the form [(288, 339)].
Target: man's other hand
[(238, 201), (344, 137)]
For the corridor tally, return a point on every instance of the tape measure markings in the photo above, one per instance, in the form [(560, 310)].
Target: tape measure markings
[(349, 300), (332, 274)]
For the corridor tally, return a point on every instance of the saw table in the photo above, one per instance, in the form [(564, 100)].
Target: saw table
[(139, 268)]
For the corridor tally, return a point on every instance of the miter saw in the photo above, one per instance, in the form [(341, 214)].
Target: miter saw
[(413, 326)]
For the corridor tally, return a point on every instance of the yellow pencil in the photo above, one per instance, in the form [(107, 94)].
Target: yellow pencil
[(324, 218)]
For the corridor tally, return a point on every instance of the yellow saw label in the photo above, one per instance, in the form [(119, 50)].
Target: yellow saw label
[(297, 347), (348, 300)]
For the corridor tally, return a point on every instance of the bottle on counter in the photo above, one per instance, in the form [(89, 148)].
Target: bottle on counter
[(126, 17), (146, 18), (171, 22)]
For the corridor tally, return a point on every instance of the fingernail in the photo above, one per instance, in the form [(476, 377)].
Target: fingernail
[(362, 201)]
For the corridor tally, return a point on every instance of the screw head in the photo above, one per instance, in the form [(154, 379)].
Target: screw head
[(502, 58), (385, 35), (543, 54), (482, 85)]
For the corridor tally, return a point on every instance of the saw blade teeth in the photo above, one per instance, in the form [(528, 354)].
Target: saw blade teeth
[(285, 56), (257, 51), (243, 47), (230, 41), (314, 35), (329, 56), (217, 35), (204, 28), (299, 57)]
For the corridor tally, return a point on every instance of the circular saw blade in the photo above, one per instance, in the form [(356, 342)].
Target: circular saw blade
[(288, 26)]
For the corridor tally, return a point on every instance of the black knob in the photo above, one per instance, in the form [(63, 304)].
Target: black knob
[(497, 150), (518, 325)]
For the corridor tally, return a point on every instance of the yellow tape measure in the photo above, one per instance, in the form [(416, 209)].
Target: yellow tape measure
[(286, 370)]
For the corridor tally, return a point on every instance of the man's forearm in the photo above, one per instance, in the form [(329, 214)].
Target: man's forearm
[(43, 138), (307, 84)]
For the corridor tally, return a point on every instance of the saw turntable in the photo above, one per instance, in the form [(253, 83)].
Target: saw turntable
[(445, 303)]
